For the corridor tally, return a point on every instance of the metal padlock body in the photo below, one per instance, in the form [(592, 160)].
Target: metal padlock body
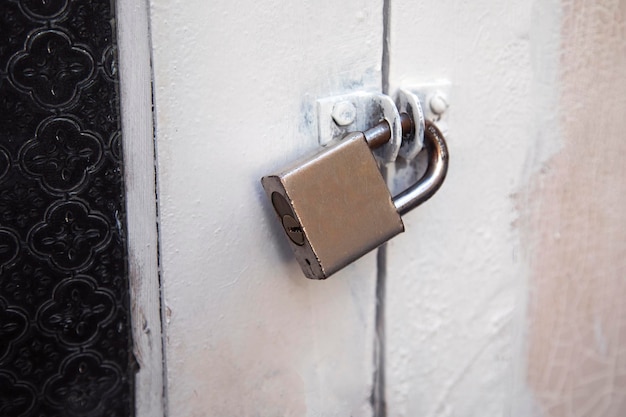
[(334, 205)]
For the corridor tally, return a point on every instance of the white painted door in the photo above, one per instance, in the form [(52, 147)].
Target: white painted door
[(464, 325), (506, 294), (235, 89)]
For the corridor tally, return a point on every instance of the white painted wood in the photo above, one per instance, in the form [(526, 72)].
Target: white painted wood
[(456, 282), (139, 182), (235, 90)]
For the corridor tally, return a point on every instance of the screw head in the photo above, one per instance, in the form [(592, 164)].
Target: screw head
[(344, 113), (438, 103)]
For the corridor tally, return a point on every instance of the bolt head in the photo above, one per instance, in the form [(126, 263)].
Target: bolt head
[(344, 113), (438, 103)]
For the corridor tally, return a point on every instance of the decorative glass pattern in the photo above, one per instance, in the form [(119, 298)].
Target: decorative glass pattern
[(65, 344)]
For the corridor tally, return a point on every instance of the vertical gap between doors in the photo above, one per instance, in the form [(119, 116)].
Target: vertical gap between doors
[(163, 306), (379, 404)]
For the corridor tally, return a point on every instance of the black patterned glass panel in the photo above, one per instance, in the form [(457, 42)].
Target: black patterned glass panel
[(65, 344)]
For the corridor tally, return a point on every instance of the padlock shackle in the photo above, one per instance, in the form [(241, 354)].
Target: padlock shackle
[(435, 174)]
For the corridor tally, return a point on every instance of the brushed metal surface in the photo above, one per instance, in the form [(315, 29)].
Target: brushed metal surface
[(341, 202)]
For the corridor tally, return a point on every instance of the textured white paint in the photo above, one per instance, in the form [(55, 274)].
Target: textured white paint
[(235, 88), (247, 335), (456, 281), (138, 145)]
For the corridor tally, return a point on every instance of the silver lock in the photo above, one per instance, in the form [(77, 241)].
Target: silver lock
[(335, 206)]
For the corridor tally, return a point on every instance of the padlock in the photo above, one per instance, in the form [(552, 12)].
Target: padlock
[(335, 206)]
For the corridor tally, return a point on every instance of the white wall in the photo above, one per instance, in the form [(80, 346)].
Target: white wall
[(573, 224)]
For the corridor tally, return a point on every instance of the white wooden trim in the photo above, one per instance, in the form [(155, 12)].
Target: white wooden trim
[(139, 174)]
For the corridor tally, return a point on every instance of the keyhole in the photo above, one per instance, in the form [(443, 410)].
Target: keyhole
[(290, 224), (293, 229)]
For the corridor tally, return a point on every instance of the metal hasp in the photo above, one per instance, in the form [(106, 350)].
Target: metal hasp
[(358, 111), (335, 206)]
